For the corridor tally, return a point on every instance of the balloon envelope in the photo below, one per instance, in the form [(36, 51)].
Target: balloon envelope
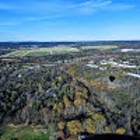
[(112, 78)]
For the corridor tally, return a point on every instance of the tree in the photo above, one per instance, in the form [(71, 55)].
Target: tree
[(79, 101), (96, 123), (66, 101), (120, 131), (61, 125), (90, 126), (74, 127)]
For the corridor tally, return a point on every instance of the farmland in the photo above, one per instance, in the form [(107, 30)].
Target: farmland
[(101, 47), (41, 51), (54, 50)]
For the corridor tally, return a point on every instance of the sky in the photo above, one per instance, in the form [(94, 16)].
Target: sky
[(69, 20)]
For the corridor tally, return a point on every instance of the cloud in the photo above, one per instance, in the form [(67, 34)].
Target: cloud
[(40, 10), (35, 6), (59, 6), (91, 6), (119, 6), (5, 6), (41, 18), (7, 23)]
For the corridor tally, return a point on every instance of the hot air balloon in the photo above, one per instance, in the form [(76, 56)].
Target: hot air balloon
[(112, 78)]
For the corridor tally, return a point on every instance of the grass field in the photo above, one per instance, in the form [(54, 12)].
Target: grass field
[(54, 50), (22, 133), (41, 51), (101, 47)]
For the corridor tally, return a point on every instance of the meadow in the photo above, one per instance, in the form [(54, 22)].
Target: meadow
[(23, 133), (41, 51), (101, 47)]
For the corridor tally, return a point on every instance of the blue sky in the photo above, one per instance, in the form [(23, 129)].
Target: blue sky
[(69, 20)]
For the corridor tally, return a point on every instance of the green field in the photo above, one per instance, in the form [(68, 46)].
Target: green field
[(101, 47), (54, 50), (22, 133), (41, 51)]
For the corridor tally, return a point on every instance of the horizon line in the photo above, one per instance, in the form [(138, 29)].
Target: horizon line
[(70, 41)]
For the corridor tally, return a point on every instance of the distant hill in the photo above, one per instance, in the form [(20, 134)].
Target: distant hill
[(122, 44)]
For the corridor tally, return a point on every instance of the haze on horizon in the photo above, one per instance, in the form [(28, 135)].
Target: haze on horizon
[(69, 20)]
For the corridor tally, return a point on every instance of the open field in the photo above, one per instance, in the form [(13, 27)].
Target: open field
[(41, 51), (54, 50), (101, 47), (22, 133)]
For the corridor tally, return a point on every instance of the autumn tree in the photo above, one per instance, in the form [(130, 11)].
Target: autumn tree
[(74, 127), (96, 123), (61, 125)]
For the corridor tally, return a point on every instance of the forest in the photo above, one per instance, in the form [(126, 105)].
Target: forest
[(59, 96)]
